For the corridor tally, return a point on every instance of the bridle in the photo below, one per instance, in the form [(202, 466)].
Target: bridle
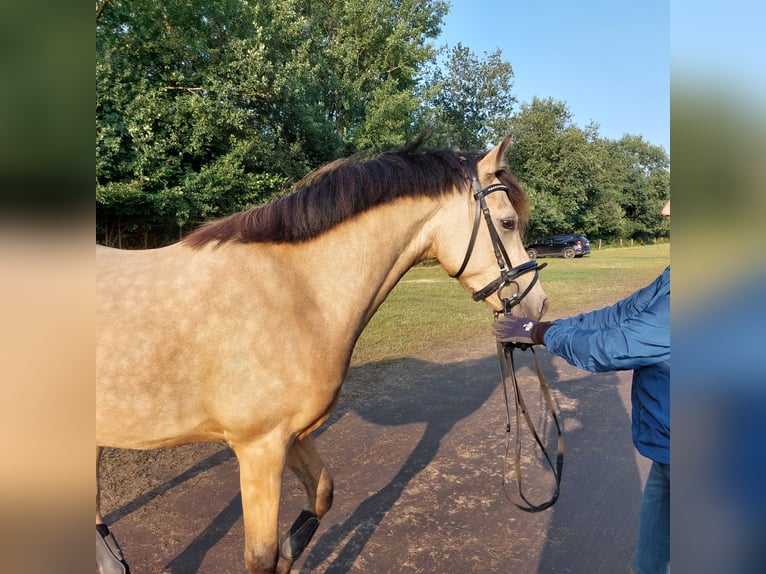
[(508, 277), (508, 273)]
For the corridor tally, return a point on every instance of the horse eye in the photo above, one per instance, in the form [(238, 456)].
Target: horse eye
[(508, 224)]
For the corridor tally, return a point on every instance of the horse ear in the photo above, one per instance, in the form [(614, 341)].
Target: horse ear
[(494, 161)]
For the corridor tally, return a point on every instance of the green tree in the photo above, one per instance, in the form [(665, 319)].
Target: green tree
[(535, 157), (468, 101), (369, 56), (174, 123), (643, 172), (204, 107), (580, 182)]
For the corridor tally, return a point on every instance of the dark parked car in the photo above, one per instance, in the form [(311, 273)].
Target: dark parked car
[(567, 245)]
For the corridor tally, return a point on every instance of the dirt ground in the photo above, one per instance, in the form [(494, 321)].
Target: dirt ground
[(417, 450)]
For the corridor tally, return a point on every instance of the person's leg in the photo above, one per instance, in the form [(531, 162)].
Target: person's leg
[(653, 547)]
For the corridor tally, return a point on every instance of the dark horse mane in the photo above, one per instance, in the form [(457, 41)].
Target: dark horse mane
[(346, 187)]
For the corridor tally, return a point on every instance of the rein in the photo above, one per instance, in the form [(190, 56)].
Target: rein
[(508, 276), (508, 375)]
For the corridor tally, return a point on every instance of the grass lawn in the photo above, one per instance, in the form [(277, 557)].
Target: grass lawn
[(427, 308)]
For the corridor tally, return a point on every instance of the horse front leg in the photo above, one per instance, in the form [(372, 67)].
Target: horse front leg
[(261, 464), (303, 459)]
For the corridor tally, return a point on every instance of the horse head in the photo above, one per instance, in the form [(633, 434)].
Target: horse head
[(495, 266)]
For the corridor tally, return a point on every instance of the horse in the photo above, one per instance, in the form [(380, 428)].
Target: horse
[(243, 330)]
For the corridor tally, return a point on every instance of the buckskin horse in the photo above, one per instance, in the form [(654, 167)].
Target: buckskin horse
[(243, 330)]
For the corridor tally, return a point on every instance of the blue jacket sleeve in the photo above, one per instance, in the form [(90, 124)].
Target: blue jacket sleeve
[(630, 334)]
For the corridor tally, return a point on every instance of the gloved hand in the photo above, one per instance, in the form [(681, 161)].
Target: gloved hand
[(520, 330)]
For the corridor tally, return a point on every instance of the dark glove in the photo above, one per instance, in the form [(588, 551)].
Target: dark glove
[(520, 330)]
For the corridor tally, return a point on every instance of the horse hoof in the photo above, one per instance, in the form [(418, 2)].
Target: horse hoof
[(299, 535)]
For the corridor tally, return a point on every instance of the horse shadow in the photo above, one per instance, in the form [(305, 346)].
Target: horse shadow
[(601, 488), (403, 392)]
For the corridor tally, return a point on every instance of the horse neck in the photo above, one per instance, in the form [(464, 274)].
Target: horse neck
[(363, 259)]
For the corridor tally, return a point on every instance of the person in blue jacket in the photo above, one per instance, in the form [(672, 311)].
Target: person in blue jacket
[(633, 334)]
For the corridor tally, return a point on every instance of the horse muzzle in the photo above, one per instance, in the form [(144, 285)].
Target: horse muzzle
[(507, 287)]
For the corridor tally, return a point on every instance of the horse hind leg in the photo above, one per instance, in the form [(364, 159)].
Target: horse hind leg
[(109, 558), (305, 463)]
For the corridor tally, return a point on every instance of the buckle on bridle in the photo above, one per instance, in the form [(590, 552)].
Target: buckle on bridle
[(508, 302)]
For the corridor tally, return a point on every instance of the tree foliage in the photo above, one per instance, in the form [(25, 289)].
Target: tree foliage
[(204, 108), (471, 99), (579, 182)]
